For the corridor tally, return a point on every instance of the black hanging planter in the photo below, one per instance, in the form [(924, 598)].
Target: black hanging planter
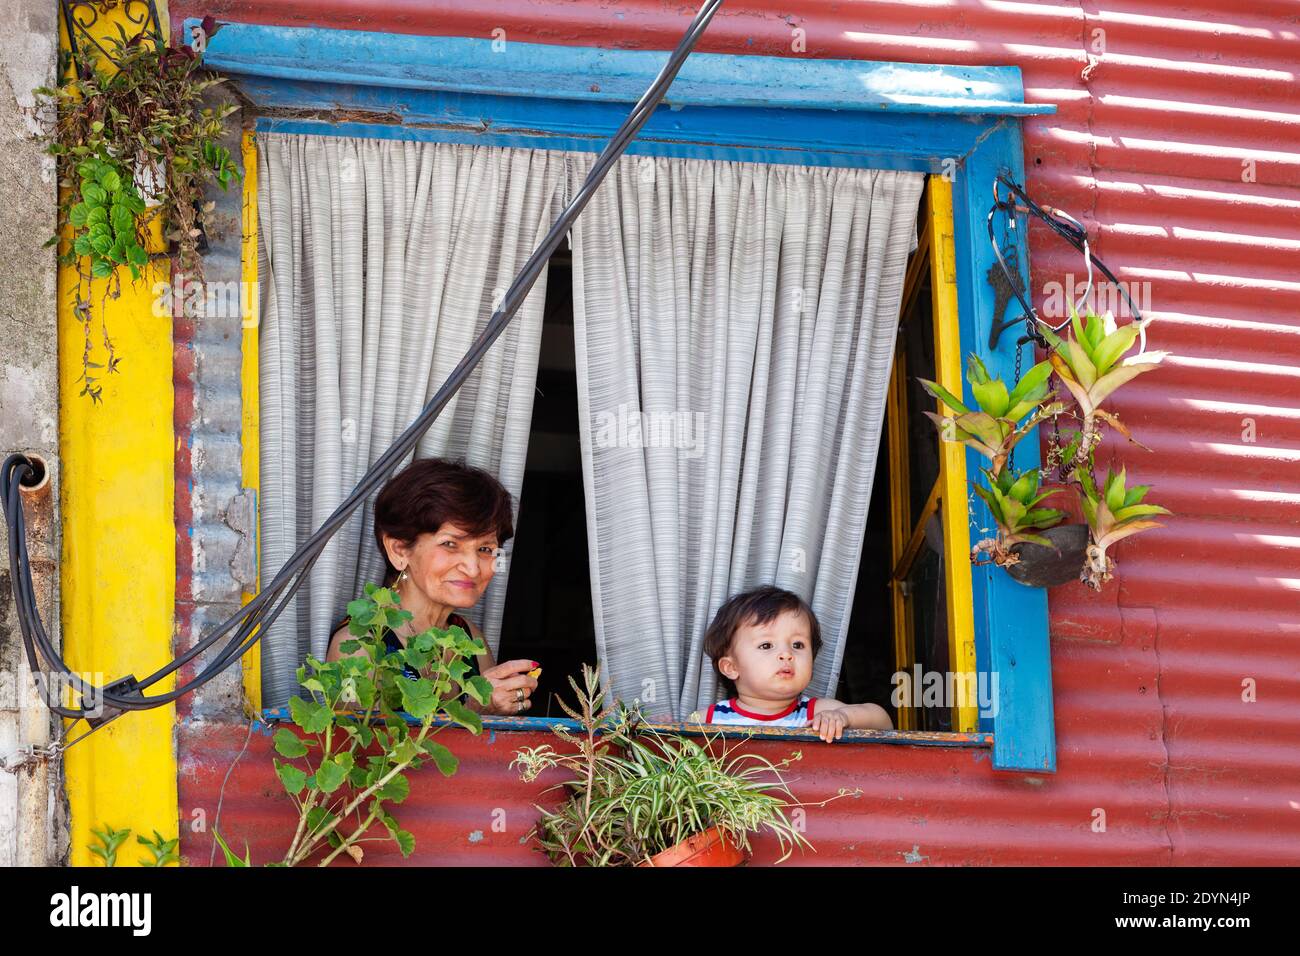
[(1041, 567)]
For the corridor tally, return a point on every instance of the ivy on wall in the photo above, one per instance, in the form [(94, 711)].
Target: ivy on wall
[(133, 141)]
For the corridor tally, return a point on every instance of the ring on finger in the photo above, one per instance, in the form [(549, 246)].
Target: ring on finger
[(519, 695)]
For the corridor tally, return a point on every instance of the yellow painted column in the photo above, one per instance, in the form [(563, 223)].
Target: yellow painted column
[(251, 461), (118, 564)]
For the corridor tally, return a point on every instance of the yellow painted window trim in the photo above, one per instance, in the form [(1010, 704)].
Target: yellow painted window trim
[(936, 255)]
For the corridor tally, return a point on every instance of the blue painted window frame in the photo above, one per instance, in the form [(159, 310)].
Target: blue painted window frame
[(961, 122)]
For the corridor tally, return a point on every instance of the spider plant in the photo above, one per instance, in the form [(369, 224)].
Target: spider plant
[(1012, 501), (992, 430), (634, 792), (1113, 514), (1092, 362)]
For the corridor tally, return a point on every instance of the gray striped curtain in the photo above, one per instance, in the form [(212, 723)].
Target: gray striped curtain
[(380, 261), (735, 325)]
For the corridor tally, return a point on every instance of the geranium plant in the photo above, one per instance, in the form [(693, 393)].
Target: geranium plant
[(363, 726)]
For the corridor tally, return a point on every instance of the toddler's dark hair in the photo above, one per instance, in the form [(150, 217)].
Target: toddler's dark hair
[(755, 607)]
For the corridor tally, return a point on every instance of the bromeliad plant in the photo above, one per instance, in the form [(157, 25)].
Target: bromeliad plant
[(995, 429), (1113, 514), (131, 126), (364, 726), (1013, 501), (1091, 363), (634, 792)]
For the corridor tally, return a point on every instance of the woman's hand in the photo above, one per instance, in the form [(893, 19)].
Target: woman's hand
[(511, 687)]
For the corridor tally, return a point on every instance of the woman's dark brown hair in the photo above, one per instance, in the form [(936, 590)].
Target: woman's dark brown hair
[(756, 607), (430, 492)]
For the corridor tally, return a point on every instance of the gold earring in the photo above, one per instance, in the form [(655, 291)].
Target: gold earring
[(403, 576)]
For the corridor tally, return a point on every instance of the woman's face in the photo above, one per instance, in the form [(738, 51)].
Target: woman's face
[(449, 566)]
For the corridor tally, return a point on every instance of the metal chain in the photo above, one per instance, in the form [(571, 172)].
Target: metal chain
[(25, 755)]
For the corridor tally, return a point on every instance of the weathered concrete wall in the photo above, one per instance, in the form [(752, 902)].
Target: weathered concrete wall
[(32, 831), (214, 560)]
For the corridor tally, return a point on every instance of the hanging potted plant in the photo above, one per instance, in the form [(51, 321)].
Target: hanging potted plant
[(1028, 544), (637, 797), (1113, 514), (1032, 543)]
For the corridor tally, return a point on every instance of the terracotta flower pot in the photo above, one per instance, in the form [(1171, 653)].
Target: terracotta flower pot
[(1041, 567), (710, 848)]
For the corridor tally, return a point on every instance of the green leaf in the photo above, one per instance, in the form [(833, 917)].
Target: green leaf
[(405, 841), (93, 193), (1080, 364), (397, 789), (1135, 494), (82, 246), (1114, 346), (231, 859), (121, 219), (1116, 377), (309, 715), (111, 181), (992, 397), (101, 269), (1114, 490), (101, 243), (77, 214), (331, 773), (445, 760), (292, 778), (463, 716), (975, 370), (1042, 517), (1026, 486), (1032, 379), (1134, 511), (418, 697), (480, 688), (945, 396), (1080, 333), (288, 744)]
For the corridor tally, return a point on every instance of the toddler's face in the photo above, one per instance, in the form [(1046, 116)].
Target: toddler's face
[(772, 661)]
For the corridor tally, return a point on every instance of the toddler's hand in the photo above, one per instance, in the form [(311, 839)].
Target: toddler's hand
[(829, 724)]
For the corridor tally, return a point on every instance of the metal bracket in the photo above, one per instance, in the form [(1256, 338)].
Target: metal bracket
[(80, 15)]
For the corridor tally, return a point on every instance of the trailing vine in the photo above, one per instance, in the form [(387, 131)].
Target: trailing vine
[(133, 142)]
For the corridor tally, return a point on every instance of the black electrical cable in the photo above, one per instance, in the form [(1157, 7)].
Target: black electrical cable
[(251, 622), (1061, 223)]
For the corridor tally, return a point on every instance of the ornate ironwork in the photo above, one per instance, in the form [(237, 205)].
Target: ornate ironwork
[(80, 16)]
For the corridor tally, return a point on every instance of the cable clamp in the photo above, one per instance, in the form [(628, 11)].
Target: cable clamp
[(126, 687)]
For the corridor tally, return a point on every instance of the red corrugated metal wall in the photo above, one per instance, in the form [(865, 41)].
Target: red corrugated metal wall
[(1160, 116)]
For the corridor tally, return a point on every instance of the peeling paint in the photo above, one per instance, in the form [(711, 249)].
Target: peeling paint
[(914, 856)]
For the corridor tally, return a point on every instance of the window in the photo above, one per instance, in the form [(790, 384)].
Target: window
[(912, 648), (962, 122)]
